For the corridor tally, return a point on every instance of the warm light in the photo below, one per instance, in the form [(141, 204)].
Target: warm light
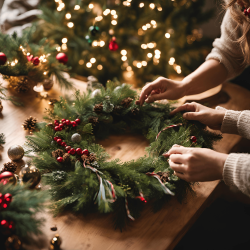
[(95, 43), (99, 67), (171, 61), (151, 45), (113, 22), (81, 62), (58, 49), (148, 25), (29, 53), (106, 12), (167, 35), (16, 61), (144, 27), (45, 73), (149, 55), (92, 60), (77, 7), (59, 9), (91, 5), (113, 12), (141, 5), (144, 46), (157, 51), (12, 64), (144, 63), (159, 8), (129, 68), (153, 22), (70, 25), (64, 46), (140, 32), (157, 56), (115, 16), (89, 65), (138, 65), (64, 40), (102, 43), (98, 18), (152, 6), (62, 5), (124, 52), (124, 58), (68, 15)]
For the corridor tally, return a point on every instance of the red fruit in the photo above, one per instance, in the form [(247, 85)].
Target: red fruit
[(73, 124), (68, 148), (4, 223), (79, 151), (72, 151), (59, 159), (63, 120), (77, 120), (56, 122), (59, 141), (62, 58), (57, 128), (193, 139), (85, 152), (67, 122), (63, 144), (7, 198), (36, 61), (61, 125), (11, 225), (56, 138)]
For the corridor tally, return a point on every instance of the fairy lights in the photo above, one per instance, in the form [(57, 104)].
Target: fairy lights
[(141, 5), (89, 65), (64, 40), (70, 25), (91, 6), (167, 35), (171, 61), (99, 67), (92, 60), (68, 16), (77, 7)]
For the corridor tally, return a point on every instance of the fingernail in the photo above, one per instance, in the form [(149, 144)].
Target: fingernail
[(166, 154)]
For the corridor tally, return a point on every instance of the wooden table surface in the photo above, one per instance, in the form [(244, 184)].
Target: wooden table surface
[(161, 230)]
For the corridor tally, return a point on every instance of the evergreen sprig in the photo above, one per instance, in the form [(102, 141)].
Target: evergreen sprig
[(78, 188)]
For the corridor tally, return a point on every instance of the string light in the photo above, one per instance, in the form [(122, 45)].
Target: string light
[(129, 68), (113, 22), (139, 65), (92, 60), (102, 43), (99, 67), (106, 12), (126, 3), (64, 46), (144, 63), (144, 27), (68, 16), (144, 46), (141, 5), (124, 58), (171, 61), (124, 52), (99, 18), (58, 49), (151, 45), (152, 6), (64, 40), (91, 6), (167, 35), (89, 65), (153, 22), (81, 62), (70, 25), (77, 7), (113, 12), (149, 55), (159, 8), (148, 25), (95, 43), (115, 16)]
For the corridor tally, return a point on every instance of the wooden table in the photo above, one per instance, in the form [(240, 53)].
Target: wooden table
[(160, 230)]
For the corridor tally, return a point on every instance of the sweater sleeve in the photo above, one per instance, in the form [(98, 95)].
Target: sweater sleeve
[(226, 48), (236, 122), (236, 172)]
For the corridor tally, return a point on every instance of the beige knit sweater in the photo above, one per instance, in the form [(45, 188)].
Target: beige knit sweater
[(227, 51)]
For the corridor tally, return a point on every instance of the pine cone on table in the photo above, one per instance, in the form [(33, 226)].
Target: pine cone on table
[(126, 102), (163, 176), (57, 153), (30, 124), (10, 167), (98, 108)]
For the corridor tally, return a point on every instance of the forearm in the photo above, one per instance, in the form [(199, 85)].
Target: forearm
[(210, 74)]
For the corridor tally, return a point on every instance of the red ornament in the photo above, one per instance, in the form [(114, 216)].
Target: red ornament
[(67, 122), (11, 225), (57, 128), (30, 58), (4, 177), (63, 144), (113, 46), (77, 121), (73, 124), (72, 151), (56, 138), (61, 125), (7, 198), (4, 223), (85, 152), (56, 122), (3, 58), (63, 120), (68, 148), (36, 61), (62, 58), (1, 198), (59, 141), (79, 151), (193, 139), (59, 159)]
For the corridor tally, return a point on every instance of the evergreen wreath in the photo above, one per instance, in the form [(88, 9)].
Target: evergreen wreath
[(81, 178)]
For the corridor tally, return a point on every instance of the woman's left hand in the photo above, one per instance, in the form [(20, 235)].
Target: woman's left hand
[(196, 164)]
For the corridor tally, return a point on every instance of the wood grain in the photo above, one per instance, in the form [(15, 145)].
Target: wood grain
[(160, 230)]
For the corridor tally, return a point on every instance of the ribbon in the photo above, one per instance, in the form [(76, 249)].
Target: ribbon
[(165, 189), (141, 197), (171, 126), (128, 212)]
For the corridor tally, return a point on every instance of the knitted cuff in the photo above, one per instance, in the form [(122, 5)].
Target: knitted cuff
[(229, 124), (229, 169), (243, 124)]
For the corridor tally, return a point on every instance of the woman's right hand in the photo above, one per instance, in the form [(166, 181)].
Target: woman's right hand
[(161, 88), (211, 117)]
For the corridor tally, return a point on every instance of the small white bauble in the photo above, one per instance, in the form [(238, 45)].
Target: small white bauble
[(118, 88), (76, 138)]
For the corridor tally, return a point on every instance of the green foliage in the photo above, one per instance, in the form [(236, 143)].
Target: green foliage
[(180, 19), (23, 208), (84, 187)]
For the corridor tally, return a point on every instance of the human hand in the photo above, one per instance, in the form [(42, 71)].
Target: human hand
[(161, 88), (211, 117), (196, 164)]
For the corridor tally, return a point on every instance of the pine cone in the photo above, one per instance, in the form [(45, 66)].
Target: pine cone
[(98, 108), (1, 106), (126, 102), (22, 85), (93, 120), (57, 153), (135, 111), (84, 157), (163, 176), (9, 166), (92, 157), (30, 124), (66, 157), (117, 110)]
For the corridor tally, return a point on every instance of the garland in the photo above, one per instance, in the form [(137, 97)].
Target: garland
[(76, 166)]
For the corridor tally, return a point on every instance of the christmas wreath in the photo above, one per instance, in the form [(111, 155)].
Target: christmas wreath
[(76, 166)]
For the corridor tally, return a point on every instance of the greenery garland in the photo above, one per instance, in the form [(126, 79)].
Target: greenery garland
[(87, 181)]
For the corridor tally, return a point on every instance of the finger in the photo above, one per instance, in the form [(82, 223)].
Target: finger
[(180, 175), (155, 97), (184, 107), (191, 116), (156, 91), (146, 90), (177, 149), (178, 158), (177, 167), (166, 154)]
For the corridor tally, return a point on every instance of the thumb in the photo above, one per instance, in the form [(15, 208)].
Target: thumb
[(191, 115), (155, 97)]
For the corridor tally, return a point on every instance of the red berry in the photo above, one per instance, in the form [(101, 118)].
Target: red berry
[(79, 151), (193, 139), (56, 122), (63, 144), (59, 159), (4, 223), (68, 148), (56, 138), (73, 124), (7, 198), (67, 122), (57, 128), (11, 225), (63, 120), (61, 125), (36, 61), (59, 141), (77, 120), (72, 151), (85, 152)]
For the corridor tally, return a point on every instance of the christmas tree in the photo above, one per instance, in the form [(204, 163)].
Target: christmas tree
[(125, 39)]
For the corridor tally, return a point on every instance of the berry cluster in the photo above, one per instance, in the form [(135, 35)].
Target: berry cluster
[(7, 225), (5, 200), (246, 12), (59, 126)]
